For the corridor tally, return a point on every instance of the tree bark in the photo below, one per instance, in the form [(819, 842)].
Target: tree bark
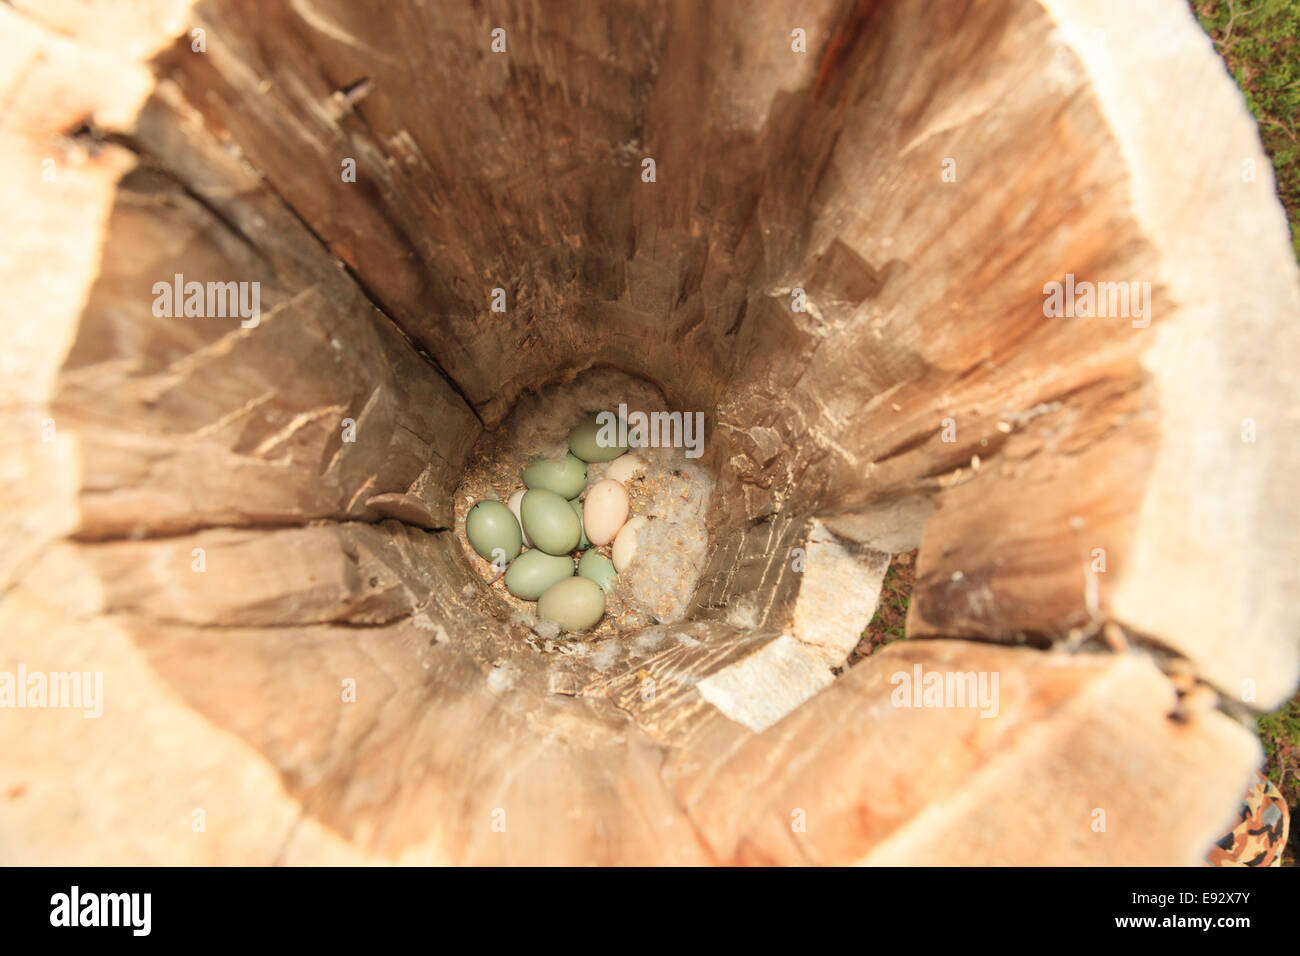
[(1066, 478)]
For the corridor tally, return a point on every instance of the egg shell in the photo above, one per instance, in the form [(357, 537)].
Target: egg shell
[(513, 505), (605, 510), (490, 526), (565, 476), (574, 603), (583, 543), (626, 467), (624, 549), (585, 440), (530, 574), (552, 524), (594, 566)]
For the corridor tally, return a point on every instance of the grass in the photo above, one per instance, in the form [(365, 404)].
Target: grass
[(889, 622), (1279, 732), (1260, 45)]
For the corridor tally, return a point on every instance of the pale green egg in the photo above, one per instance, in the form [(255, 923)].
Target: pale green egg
[(585, 440), (564, 476), (594, 566), (574, 603), (551, 522), (493, 531), (534, 571), (577, 509)]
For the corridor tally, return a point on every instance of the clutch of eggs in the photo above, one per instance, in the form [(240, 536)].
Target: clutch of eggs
[(547, 517)]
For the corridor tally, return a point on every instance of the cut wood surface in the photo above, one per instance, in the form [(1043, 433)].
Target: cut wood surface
[(331, 682)]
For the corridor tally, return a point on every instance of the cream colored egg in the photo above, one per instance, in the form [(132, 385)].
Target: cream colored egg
[(625, 543), (513, 505), (625, 467), (605, 510)]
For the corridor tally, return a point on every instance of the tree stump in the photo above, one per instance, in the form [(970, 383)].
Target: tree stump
[(1102, 503)]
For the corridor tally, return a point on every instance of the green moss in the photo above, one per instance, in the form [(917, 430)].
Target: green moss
[(1279, 732)]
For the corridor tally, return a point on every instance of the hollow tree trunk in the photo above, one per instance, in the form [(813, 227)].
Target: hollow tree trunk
[(921, 172)]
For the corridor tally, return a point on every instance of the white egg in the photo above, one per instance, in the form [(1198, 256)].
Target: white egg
[(625, 467), (605, 510), (625, 544), (513, 505)]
